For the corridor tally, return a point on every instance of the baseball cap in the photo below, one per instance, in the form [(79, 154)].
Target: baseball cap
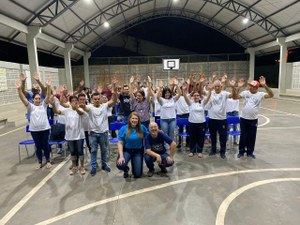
[(254, 83)]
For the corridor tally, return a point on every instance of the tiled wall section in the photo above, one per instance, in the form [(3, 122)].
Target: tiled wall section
[(12, 74), (102, 74)]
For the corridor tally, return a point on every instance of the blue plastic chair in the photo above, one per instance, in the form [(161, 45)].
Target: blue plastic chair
[(231, 121), (207, 134), (114, 127), (182, 122), (25, 143)]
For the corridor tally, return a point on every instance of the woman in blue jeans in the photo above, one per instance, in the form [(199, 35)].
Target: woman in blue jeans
[(130, 146)]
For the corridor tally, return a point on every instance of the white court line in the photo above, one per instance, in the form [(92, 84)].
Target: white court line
[(158, 187), (9, 132), (279, 111), (265, 123), (25, 199), (220, 219), (279, 128)]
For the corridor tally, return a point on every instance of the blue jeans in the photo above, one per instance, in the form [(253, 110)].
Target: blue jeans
[(136, 157), (76, 149), (149, 160), (95, 140), (168, 126), (41, 141), (219, 126), (234, 127), (248, 135)]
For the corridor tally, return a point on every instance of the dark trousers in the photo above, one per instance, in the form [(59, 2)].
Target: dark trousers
[(197, 134), (41, 141), (248, 135), (181, 128), (219, 126), (113, 132)]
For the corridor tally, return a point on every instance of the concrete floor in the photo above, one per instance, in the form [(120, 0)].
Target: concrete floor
[(195, 191)]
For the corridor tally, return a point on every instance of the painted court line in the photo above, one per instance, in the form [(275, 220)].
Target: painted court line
[(279, 111), (25, 199), (220, 219), (9, 132), (265, 123), (158, 187)]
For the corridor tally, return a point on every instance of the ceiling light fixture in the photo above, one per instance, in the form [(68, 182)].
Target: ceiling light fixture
[(106, 24), (245, 20)]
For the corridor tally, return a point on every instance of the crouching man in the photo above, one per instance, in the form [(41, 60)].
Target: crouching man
[(156, 151)]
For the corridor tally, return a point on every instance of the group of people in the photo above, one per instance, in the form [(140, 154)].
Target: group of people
[(86, 118)]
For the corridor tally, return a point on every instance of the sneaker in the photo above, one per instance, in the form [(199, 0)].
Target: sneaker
[(59, 151), (125, 175), (223, 156), (163, 169), (235, 143), (150, 173), (240, 155), (252, 156), (73, 171), (200, 155), (106, 168), (190, 154), (212, 153), (93, 171), (82, 170)]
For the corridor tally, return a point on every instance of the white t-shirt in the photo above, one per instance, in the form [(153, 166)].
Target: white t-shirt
[(74, 128), (181, 106), (98, 118), (251, 104), (217, 105), (232, 105), (60, 118), (38, 117), (157, 106), (86, 122), (197, 112), (167, 110)]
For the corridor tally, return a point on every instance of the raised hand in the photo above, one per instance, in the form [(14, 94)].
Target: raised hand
[(22, 77), (149, 79), (202, 80), (36, 76), (62, 88), (184, 86), (99, 88), (161, 84), (262, 80), (232, 82), (48, 83), (224, 78), (171, 82), (18, 85), (241, 83), (210, 86), (131, 79), (175, 81), (52, 100), (81, 83)]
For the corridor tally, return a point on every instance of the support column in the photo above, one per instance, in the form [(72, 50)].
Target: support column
[(251, 52), (68, 69), (86, 57), (282, 65), (33, 32)]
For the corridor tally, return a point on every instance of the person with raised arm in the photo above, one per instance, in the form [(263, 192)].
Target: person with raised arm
[(252, 99), (197, 120), (99, 127), (39, 124)]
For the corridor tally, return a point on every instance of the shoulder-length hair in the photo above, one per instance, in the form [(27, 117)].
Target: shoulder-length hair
[(139, 130)]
